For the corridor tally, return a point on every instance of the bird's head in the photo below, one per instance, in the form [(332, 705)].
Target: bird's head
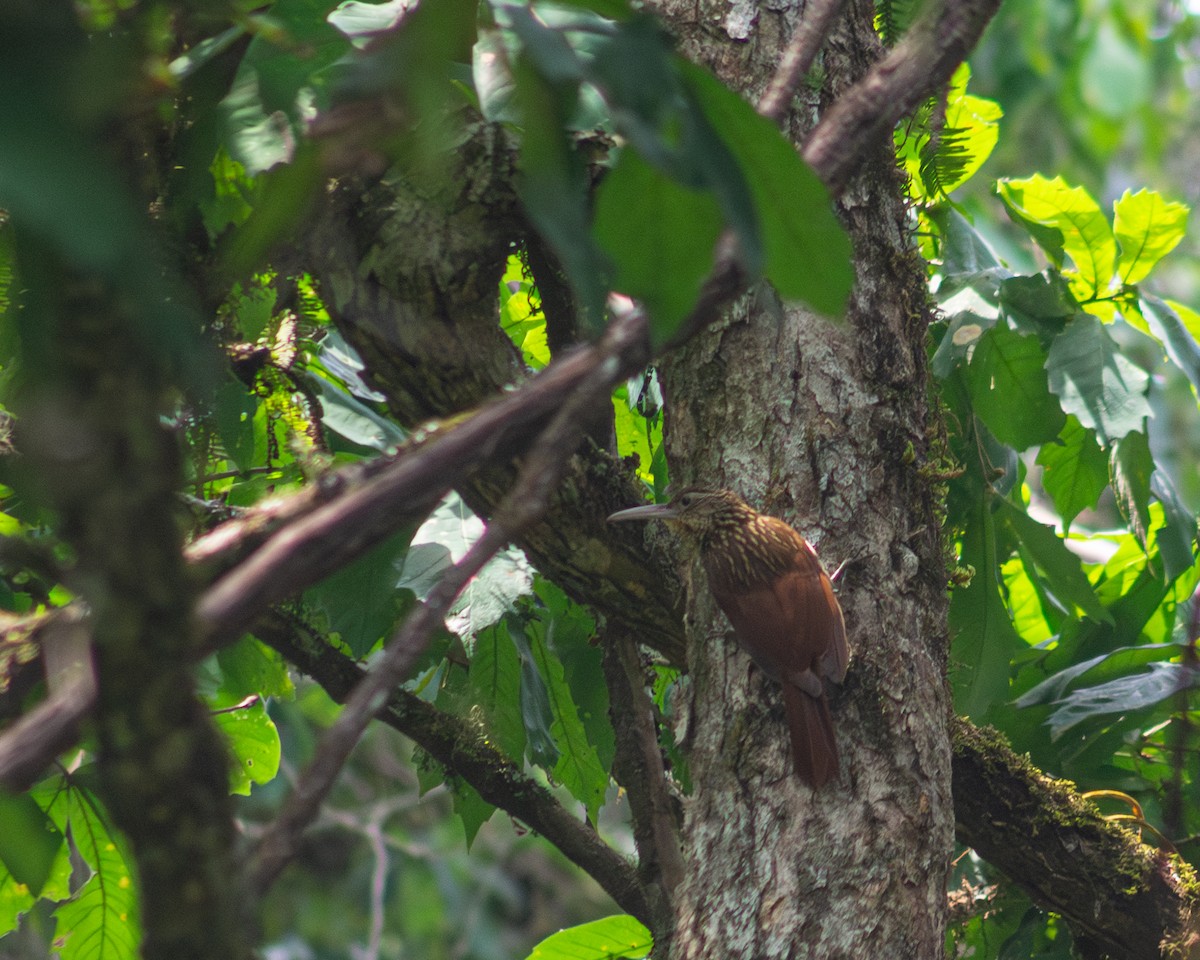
[(694, 511)]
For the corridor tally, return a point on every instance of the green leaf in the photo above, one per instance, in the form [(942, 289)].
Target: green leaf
[(494, 679), (349, 417), (553, 186), (249, 667), (1176, 327), (1176, 538), (1075, 470), (471, 808), (1007, 381), (1095, 382), (1044, 296), (1132, 467), (29, 841), (1061, 568), (536, 713), (1107, 666), (607, 939), (661, 237), (1122, 696), (578, 767), (1065, 219), (807, 250), (1148, 228), (253, 742), (101, 921), (361, 600), (574, 633), (984, 639)]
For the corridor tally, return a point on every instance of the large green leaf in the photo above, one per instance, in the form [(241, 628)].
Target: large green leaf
[(660, 236), (1124, 695), (1061, 568), (807, 250), (607, 939), (1007, 380), (361, 600), (1095, 382), (495, 687), (1075, 470), (578, 767), (553, 185), (1148, 228), (1176, 327), (29, 841), (253, 743), (1132, 468), (101, 921), (1065, 219), (984, 639)]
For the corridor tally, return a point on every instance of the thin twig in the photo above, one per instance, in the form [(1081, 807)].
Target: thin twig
[(526, 502), (798, 58)]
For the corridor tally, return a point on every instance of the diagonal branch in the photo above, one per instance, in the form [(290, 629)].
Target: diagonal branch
[(457, 745), (863, 116), (523, 506)]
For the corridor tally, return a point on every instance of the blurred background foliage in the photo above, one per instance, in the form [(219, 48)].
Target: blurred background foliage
[(1071, 491)]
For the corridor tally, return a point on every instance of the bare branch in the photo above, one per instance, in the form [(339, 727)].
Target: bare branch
[(656, 813), (918, 65), (459, 747), (798, 58), (524, 505)]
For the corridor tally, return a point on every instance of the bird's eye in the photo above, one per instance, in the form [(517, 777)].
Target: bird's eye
[(686, 500)]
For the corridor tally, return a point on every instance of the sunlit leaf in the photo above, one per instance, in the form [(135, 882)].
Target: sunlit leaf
[(1065, 219), (607, 939), (1148, 228)]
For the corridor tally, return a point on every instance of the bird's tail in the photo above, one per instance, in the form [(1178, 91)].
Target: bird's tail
[(814, 748)]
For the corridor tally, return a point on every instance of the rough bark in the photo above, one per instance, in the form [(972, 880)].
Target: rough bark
[(411, 281), (99, 455), (826, 426), (1121, 897)]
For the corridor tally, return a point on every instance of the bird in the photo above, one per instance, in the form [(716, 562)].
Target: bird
[(769, 582)]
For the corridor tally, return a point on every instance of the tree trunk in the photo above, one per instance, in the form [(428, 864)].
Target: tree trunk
[(827, 426)]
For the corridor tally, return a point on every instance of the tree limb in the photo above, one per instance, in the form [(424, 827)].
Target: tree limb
[(924, 59), (1119, 895), (458, 746)]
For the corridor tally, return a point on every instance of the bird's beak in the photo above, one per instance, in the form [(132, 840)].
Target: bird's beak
[(653, 511)]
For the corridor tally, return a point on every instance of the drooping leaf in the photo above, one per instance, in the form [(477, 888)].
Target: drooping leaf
[(1075, 470), (1132, 468), (1107, 666), (1176, 538), (1176, 327), (249, 667), (471, 808), (984, 639), (578, 767), (607, 939), (29, 841), (253, 742), (1095, 382), (1007, 380), (361, 600), (1148, 228), (495, 684), (807, 250), (1060, 567), (537, 714), (660, 236)]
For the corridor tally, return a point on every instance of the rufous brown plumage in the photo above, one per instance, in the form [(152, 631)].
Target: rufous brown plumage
[(770, 584)]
